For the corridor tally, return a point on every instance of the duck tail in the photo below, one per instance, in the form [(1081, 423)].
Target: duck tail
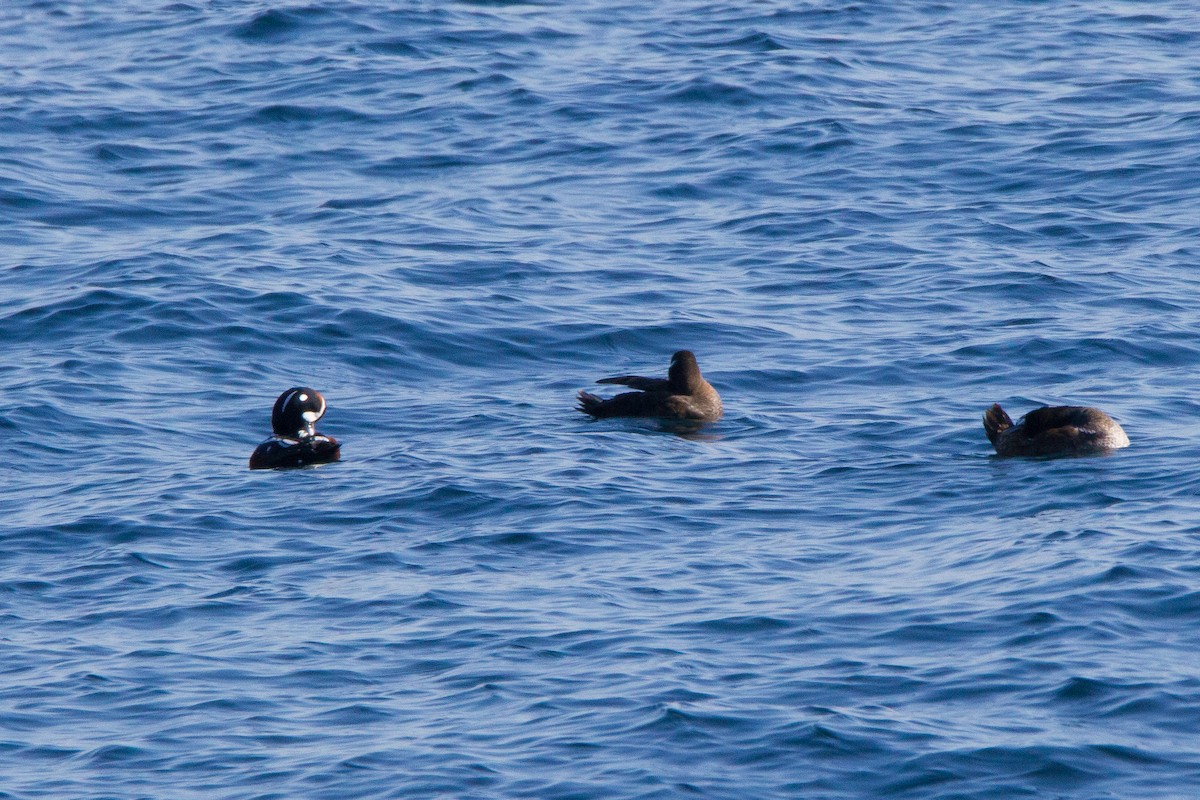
[(589, 403), (995, 422)]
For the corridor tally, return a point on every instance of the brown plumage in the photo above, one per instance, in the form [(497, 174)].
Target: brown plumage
[(683, 394), (1053, 431)]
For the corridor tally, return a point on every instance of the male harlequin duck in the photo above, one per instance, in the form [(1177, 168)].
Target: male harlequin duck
[(296, 442), (1054, 431), (683, 394)]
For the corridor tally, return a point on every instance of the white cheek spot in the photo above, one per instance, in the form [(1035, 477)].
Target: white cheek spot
[(303, 398), (310, 416)]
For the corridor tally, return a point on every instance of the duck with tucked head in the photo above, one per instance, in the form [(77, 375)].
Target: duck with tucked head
[(683, 394), (295, 442), (1054, 431)]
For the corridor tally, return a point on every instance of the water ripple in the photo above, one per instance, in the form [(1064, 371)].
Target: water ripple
[(869, 221)]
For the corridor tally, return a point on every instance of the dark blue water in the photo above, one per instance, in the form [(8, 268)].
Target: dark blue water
[(870, 221)]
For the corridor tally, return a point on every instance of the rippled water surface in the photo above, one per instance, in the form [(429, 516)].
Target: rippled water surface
[(870, 221)]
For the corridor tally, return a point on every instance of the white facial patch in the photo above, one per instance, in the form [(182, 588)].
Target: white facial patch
[(303, 398), (310, 416)]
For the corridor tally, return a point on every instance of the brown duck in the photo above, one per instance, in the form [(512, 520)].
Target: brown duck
[(683, 394), (1053, 431)]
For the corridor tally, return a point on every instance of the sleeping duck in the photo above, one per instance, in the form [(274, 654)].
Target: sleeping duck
[(1053, 431)]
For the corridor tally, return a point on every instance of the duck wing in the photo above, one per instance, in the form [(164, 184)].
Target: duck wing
[(627, 404), (1048, 418), (638, 382)]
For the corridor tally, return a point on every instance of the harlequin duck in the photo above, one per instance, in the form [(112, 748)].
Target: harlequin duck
[(296, 442), (683, 394), (1053, 431)]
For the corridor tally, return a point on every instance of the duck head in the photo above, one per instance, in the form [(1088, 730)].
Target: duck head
[(296, 412)]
